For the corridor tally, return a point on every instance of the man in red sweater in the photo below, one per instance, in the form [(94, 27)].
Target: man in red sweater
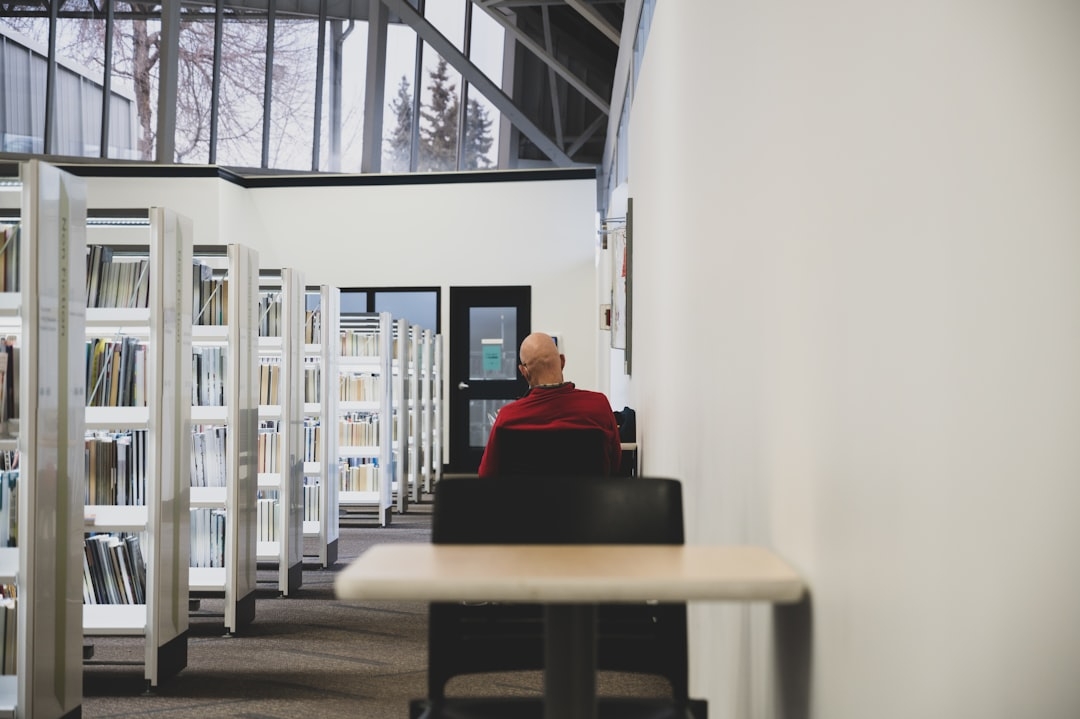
[(551, 403)]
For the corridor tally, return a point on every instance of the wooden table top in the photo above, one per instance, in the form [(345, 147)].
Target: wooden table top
[(569, 573)]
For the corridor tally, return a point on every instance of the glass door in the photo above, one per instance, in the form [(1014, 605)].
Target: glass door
[(487, 325)]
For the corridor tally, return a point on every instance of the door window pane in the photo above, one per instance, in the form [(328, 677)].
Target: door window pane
[(481, 416), (493, 343)]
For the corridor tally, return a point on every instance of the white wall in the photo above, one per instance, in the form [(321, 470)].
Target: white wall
[(540, 233), (857, 340), (514, 233), (194, 197)]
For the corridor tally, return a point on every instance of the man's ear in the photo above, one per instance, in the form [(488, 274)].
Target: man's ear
[(562, 361)]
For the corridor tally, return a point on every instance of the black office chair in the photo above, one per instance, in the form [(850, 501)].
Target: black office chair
[(552, 452), (469, 639)]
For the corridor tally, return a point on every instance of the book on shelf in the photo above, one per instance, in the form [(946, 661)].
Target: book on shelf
[(269, 515), (312, 380), (269, 381), (270, 315), (208, 455), (207, 537), (111, 569), (115, 368), (9, 508), (9, 378), (8, 633), (9, 257), (269, 446), (207, 376), (312, 327), (116, 281), (312, 499), (115, 467), (312, 439)]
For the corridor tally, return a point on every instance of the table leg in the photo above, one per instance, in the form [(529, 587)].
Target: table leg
[(570, 661)]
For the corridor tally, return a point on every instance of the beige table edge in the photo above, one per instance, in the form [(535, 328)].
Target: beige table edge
[(569, 573)]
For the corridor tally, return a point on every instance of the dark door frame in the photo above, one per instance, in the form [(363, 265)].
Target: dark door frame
[(460, 388)]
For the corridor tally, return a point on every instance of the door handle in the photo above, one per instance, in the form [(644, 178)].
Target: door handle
[(463, 385)]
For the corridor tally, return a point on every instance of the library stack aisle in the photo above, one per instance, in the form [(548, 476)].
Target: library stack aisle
[(321, 342), (366, 415), (44, 310), (138, 350), (281, 426), (226, 416)]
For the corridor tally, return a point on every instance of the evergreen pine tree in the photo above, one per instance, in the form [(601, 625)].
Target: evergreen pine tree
[(438, 137), (477, 136), (400, 139)]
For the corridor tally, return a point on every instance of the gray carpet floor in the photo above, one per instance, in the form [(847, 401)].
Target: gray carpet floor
[(308, 655)]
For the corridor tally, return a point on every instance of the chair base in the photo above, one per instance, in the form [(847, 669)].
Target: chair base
[(533, 708)]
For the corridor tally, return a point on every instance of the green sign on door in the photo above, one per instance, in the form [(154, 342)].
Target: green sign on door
[(492, 355)]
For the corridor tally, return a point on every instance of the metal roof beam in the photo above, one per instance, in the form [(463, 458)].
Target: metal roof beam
[(537, 49), (595, 19), (374, 89), (478, 79), (620, 83)]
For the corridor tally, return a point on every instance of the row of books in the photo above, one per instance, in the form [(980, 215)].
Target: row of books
[(116, 281), (114, 570), (359, 387), (269, 447), (208, 444), (269, 381), (312, 380), (358, 475), (208, 537), (115, 372), (312, 500), (270, 314), (358, 430), (9, 508), (9, 258), (312, 439), (209, 296), (411, 420), (208, 373), (268, 517), (313, 327), (9, 624), (115, 465), (359, 344), (9, 376), (9, 459)]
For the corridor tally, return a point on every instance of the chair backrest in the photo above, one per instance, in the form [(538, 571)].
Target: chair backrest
[(551, 452), (465, 639), (557, 510)]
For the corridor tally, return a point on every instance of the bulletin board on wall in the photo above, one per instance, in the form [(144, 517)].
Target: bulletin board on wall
[(622, 285)]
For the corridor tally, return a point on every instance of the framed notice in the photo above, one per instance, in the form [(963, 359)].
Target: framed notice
[(622, 284)]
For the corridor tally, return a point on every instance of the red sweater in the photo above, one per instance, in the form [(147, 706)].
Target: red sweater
[(563, 407)]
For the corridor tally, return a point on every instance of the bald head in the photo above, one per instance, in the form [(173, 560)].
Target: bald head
[(541, 362)]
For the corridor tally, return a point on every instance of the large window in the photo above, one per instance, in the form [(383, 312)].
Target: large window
[(252, 90), (418, 305)]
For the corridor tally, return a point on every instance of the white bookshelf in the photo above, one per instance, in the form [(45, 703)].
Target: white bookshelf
[(438, 412), (46, 315), (378, 497), (281, 341), (321, 523), (427, 409), (415, 402), (402, 404), (163, 239), (235, 581)]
